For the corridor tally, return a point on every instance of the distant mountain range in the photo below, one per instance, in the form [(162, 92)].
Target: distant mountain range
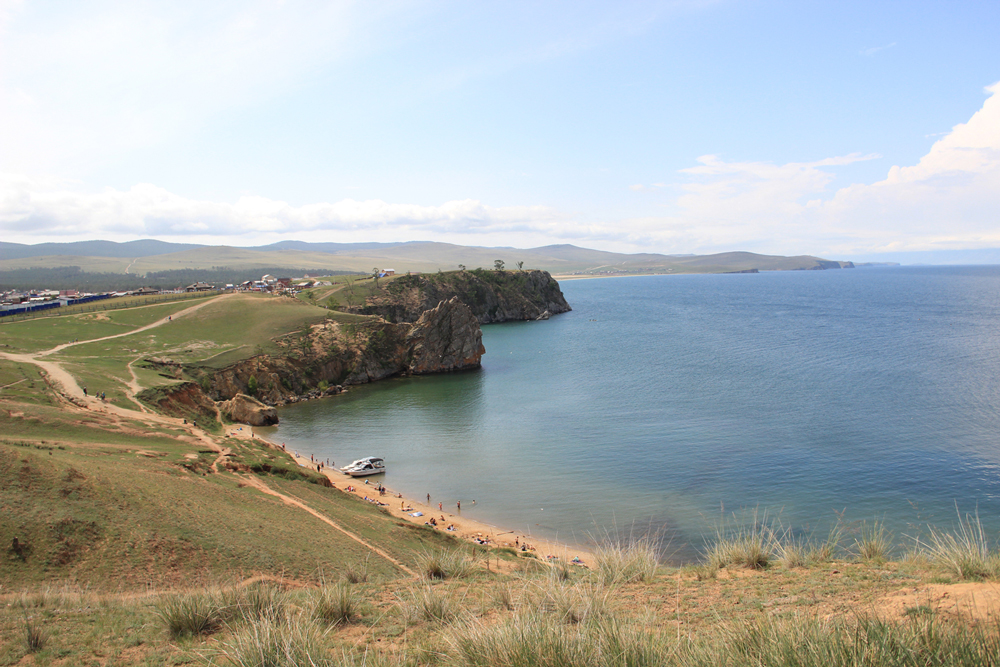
[(145, 256)]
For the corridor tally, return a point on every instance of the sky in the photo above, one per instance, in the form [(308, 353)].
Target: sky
[(837, 129)]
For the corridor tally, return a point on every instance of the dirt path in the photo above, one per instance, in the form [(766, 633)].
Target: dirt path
[(147, 327), (66, 386), (289, 500)]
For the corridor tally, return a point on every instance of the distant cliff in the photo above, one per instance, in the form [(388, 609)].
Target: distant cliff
[(493, 296)]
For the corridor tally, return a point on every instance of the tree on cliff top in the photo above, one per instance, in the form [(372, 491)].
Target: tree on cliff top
[(498, 265), (375, 273)]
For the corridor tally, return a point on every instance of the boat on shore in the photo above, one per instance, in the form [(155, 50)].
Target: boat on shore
[(371, 465)]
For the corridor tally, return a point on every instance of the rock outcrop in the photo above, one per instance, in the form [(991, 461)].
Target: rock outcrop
[(493, 296), (445, 338), (248, 410)]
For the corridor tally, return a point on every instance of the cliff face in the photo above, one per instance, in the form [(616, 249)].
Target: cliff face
[(493, 296), (447, 337), (443, 339)]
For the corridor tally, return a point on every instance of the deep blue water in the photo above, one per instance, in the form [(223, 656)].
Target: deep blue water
[(664, 402)]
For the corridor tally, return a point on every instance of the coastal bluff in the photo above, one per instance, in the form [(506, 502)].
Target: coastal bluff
[(492, 296), (413, 325), (321, 361)]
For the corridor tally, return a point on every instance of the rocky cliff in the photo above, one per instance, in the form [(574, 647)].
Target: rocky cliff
[(427, 324), (446, 337), (330, 355), (493, 296)]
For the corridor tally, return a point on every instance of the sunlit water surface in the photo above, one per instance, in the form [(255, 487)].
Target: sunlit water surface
[(660, 403)]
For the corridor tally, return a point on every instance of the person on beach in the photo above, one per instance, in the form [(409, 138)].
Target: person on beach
[(459, 503), (84, 391), (440, 507), (428, 499)]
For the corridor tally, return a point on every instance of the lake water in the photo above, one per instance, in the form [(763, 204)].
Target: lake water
[(663, 403)]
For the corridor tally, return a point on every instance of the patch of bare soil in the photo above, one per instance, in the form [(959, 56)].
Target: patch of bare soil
[(979, 601)]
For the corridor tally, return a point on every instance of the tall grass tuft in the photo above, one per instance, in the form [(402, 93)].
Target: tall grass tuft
[(257, 601), (873, 543), (626, 561), (269, 642), (35, 636), (335, 605), (792, 553), (191, 614), (768, 641), (533, 640), (356, 573), (965, 554), (425, 604), (827, 551), (445, 565), (574, 604), (749, 542)]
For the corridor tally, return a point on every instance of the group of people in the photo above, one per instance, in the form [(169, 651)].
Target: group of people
[(100, 396)]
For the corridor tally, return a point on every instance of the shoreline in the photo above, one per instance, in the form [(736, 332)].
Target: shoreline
[(402, 507)]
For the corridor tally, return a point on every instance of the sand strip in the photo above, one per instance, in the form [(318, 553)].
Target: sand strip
[(464, 528)]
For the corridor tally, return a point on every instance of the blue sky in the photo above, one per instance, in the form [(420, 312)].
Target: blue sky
[(828, 128)]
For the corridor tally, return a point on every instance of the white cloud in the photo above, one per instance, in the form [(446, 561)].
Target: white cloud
[(32, 208), (949, 199)]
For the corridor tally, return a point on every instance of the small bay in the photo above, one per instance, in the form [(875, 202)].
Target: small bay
[(666, 402)]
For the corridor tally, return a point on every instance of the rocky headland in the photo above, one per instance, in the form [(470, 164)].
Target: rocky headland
[(421, 325), (493, 296)]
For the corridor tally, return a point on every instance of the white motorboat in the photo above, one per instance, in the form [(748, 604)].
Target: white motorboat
[(364, 467), (355, 464)]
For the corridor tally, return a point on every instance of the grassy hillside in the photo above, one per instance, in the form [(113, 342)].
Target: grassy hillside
[(126, 515)]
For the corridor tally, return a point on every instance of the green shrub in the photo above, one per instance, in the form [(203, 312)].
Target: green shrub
[(254, 602)]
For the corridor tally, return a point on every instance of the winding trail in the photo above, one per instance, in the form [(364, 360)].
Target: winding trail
[(146, 327), (258, 484), (67, 388)]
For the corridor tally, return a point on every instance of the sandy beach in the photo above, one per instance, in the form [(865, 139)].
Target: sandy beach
[(419, 511)]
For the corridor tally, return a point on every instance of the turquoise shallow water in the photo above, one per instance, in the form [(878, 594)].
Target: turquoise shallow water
[(662, 402)]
